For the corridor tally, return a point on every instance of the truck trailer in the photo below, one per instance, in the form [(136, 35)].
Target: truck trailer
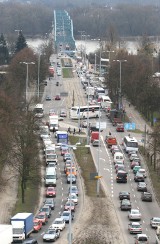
[(6, 234), (22, 224)]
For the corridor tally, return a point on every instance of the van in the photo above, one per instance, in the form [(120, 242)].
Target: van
[(118, 157), (50, 177)]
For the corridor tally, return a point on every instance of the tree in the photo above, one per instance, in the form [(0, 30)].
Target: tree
[(4, 53), (21, 42)]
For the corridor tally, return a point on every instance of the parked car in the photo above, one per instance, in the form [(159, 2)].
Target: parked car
[(42, 216), (51, 235), (154, 222), (69, 205), (37, 225), (66, 216), (146, 196), (50, 192), (50, 202), (125, 204), (142, 186), (134, 214), (124, 195), (58, 223), (47, 210), (135, 228)]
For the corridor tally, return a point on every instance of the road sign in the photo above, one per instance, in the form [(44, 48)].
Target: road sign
[(98, 177), (129, 126), (103, 125), (64, 94)]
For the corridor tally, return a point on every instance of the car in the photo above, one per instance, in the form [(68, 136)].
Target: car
[(154, 222), (58, 223), (47, 210), (143, 171), (50, 192), (50, 202), (57, 83), (125, 204), (137, 160), (141, 238), (120, 127), (42, 216), (63, 113), (96, 143), (131, 152), (69, 205), (37, 225), (115, 150), (132, 156), (146, 196), (66, 156), (135, 169), (139, 177), (134, 228), (73, 189), (120, 167), (72, 178), (73, 197), (57, 97), (124, 195), (48, 98), (51, 235), (134, 214), (63, 151), (66, 216), (121, 176), (71, 170), (30, 241), (133, 164), (113, 147), (84, 124), (118, 164), (142, 186)]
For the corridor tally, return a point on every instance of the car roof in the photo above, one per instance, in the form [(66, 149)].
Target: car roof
[(58, 219), (135, 223)]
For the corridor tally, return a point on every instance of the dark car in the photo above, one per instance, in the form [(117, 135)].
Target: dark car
[(139, 177), (30, 241), (125, 205), (121, 177), (141, 186), (50, 202), (124, 195), (48, 98), (47, 210), (146, 196)]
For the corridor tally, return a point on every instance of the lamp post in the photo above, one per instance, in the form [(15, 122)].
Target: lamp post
[(109, 56), (26, 63), (98, 155), (39, 59), (95, 63), (120, 81)]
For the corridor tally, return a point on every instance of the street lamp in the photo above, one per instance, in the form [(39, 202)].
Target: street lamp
[(18, 31), (109, 56), (27, 63), (120, 81), (39, 59)]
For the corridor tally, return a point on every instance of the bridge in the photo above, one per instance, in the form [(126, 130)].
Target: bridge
[(63, 32)]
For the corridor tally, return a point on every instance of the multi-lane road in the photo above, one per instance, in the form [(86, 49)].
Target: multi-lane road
[(106, 166)]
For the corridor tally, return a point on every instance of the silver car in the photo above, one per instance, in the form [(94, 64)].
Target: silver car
[(51, 235)]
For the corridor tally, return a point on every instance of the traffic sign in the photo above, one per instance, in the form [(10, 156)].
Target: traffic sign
[(103, 125), (129, 126), (98, 177)]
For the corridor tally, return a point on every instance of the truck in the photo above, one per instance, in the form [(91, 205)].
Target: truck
[(94, 136), (22, 224), (115, 116), (53, 122), (110, 141), (6, 234)]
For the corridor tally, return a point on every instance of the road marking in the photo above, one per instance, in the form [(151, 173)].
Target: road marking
[(62, 193), (132, 189), (138, 208), (102, 159), (134, 195), (42, 233), (106, 169), (143, 221), (62, 102), (146, 229), (62, 188)]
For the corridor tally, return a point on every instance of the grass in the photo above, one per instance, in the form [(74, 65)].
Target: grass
[(67, 72), (31, 198), (86, 163), (136, 131)]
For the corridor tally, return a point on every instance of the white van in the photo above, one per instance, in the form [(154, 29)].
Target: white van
[(118, 157), (50, 177)]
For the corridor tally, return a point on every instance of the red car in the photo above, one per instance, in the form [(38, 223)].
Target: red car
[(69, 205), (37, 225), (42, 216), (63, 151), (134, 163), (50, 192), (57, 97), (120, 127)]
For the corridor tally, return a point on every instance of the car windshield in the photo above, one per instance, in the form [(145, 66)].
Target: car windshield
[(69, 204), (57, 222), (50, 177), (49, 201), (40, 216), (134, 212), (51, 232), (65, 214), (35, 223), (50, 189), (135, 225), (156, 219)]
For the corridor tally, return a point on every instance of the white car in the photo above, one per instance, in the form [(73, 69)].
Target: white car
[(155, 221), (143, 172), (134, 214), (73, 197), (134, 155), (58, 223)]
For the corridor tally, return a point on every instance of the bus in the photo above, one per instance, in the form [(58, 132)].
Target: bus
[(91, 111), (130, 144), (39, 111)]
